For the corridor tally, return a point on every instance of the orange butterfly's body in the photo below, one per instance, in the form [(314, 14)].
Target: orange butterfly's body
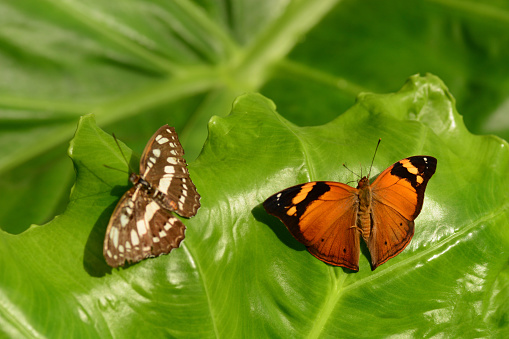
[(327, 216), (363, 215)]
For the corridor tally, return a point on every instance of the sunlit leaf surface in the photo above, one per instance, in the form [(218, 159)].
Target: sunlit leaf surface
[(239, 273)]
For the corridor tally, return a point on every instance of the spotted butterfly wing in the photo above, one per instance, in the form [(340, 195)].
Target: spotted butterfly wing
[(328, 217), (139, 228), (142, 224), (163, 166)]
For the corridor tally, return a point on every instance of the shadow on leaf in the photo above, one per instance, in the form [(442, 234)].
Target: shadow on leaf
[(93, 258), (277, 227)]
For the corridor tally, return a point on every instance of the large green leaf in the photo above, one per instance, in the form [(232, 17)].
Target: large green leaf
[(239, 273), (138, 64)]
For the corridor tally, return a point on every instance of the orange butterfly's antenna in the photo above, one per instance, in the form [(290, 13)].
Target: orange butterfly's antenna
[(350, 170), (123, 155), (376, 149)]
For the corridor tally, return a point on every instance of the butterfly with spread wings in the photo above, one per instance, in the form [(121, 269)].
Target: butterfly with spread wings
[(142, 224), (327, 216)]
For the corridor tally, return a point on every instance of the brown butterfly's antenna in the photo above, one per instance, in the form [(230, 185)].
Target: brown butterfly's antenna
[(123, 156), (376, 149), (116, 169)]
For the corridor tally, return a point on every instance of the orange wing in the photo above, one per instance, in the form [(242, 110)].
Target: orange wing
[(321, 215), (397, 197)]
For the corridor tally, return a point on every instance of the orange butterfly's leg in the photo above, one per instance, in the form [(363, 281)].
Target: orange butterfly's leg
[(357, 228)]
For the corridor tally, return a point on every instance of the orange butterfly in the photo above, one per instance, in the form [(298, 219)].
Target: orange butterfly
[(327, 216)]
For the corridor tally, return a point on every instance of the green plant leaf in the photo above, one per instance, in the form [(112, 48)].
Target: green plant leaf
[(239, 273), (139, 64)]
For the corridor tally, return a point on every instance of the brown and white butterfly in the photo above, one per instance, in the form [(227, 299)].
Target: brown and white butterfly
[(327, 216), (142, 224)]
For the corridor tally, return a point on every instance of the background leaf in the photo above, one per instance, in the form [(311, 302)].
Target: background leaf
[(140, 64), (239, 273)]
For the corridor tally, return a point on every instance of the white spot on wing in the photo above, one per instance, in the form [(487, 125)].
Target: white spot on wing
[(124, 219), (142, 229), (134, 238), (172, 160), (151, 209), (162, 140), (169, 169), (155, 239), (156, 152), (164, 183), (162, 234), (114, 236)]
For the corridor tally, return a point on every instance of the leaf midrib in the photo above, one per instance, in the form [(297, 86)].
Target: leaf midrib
[(260, 55)]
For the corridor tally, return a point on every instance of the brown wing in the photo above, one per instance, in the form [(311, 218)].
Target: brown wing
[(322, 216), (139, 228), (163, 166), (397, 198)]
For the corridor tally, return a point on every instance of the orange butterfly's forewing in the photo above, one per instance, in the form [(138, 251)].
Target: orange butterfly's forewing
[(328, 217), (402, 185), (321, 215)]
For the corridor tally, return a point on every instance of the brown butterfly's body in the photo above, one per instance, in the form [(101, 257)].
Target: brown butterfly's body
[(327, 217), (156, 194)]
